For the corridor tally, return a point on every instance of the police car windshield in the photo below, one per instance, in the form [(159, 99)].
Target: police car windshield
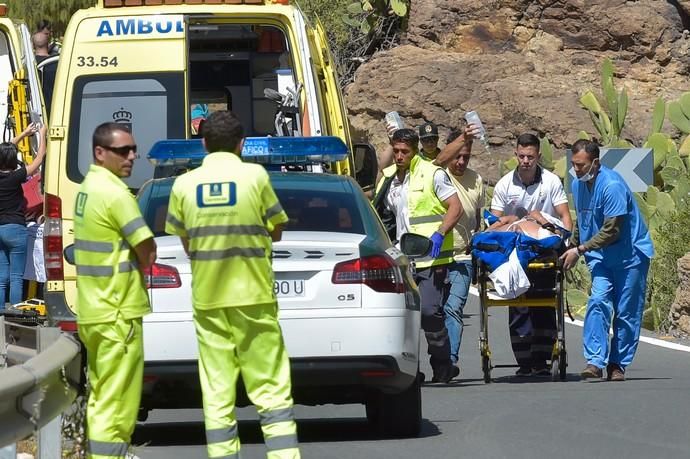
[(317, 210), (307, 209)]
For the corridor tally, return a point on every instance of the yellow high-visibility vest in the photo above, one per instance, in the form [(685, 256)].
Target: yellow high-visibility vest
[(426, 210), (227, 209), (107, 224)]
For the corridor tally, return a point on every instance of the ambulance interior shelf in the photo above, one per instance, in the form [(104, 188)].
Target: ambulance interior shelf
[(232, 64)]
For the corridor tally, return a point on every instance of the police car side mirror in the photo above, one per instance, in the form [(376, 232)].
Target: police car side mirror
[(69, 254), (366, 165), (415, 245)]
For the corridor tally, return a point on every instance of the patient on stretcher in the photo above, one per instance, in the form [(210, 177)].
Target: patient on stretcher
[(529, 225), (506, 249)]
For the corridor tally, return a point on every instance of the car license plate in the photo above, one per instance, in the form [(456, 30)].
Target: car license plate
[(288, 288)]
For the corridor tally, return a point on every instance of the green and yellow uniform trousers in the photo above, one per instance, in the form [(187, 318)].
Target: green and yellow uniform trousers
[(246, 340), (115, 353)]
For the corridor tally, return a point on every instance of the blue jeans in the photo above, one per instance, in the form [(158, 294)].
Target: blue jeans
[(13, 239), (460, 278)]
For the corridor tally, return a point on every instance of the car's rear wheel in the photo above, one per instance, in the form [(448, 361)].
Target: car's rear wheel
[(397, 415)]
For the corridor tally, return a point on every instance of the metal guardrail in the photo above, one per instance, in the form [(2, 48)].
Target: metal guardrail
[(41, 379)]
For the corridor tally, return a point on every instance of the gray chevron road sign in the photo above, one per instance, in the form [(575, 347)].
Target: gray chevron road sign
[(635, 165)]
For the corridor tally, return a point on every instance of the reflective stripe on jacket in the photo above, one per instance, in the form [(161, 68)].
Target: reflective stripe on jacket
[(227, 209), (107, 224)]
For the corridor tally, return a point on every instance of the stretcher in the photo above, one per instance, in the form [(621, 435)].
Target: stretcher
[(539, 258)]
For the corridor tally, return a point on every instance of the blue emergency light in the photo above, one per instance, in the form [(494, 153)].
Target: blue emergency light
[(293, 150), (274, 151), (177, 153)]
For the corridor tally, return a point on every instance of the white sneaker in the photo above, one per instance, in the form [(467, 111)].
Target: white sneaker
[(132, 456)]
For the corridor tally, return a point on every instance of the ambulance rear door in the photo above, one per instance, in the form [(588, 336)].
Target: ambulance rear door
[(35, 99), (8, 65), (130, 69), (335, 117)]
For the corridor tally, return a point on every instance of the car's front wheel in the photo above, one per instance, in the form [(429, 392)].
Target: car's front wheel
[(397, 415)]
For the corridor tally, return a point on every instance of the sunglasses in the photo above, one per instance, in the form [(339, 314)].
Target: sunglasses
[(121, 151)]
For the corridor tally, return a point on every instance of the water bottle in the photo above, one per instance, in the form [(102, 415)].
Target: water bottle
[(393, 119), (473, 118)]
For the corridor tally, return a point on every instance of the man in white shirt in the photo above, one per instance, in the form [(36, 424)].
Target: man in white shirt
[(416, 196), (530, 187)]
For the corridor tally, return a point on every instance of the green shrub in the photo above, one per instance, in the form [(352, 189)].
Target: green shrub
[(330, 13), (671, 242), (57, 12)]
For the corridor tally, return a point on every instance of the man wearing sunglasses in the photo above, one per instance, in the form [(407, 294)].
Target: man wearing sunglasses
[(113, 249)]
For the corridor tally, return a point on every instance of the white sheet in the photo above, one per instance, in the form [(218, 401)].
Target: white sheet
[(509, 279)]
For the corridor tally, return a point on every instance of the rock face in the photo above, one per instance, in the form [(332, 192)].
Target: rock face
[(680, 309), (522, 64)]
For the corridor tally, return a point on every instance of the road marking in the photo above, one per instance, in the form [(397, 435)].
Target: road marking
[(644, 339), (635, 165)]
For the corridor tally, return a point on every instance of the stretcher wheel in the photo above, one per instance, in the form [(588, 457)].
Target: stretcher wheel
[(562, 365), (555, 365), (486, 368), (558, 366)]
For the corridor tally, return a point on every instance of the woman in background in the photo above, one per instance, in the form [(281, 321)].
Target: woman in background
[(13, 232)]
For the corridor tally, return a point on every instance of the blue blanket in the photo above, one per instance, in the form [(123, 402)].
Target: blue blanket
[(494, 247)]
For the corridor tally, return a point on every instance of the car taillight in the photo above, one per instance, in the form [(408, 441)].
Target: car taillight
[(52, 238), (163, 276), (68, 326), (379, 272)]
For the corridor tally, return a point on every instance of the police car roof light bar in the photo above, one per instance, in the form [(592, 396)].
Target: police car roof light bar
[(293, 150), (261, 150), (177, 152)]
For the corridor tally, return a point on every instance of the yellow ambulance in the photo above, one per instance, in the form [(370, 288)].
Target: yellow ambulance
[(21, 100), (156, 65)]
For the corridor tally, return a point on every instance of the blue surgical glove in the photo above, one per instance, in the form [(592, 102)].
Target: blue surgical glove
[(437, 240)]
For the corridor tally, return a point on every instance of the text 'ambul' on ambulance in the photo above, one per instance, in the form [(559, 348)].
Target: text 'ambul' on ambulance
[(160, 69)]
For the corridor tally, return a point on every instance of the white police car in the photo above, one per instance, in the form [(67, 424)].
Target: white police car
[(349, 308)]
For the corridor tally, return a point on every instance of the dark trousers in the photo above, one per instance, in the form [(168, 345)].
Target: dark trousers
[(434, 290), (532, 335)]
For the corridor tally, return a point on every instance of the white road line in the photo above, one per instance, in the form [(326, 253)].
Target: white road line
[(644, 339)]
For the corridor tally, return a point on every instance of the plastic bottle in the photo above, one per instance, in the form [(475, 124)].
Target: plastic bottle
[(473, 118), (393, 119)]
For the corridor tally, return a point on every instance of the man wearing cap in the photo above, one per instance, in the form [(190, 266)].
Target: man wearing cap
[(428, 137)]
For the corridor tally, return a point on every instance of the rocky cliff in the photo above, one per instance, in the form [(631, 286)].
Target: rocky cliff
[(522, 64)]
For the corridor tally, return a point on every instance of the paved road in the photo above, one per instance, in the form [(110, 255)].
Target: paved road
[(645, 417)]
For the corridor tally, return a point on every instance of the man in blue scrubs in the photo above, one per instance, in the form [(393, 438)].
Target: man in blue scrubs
[(614, 239)]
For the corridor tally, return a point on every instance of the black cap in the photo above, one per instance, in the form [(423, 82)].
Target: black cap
[(427, 130)]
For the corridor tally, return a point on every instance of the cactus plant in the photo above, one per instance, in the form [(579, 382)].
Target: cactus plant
[(608, 125), (364, 13), (560, 167), (673, 171), (658, 116), (399, 7), (681, 192), (509, 165), (658, 142), (677, 116), (684, 150), (546, 153), (659, 205)]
